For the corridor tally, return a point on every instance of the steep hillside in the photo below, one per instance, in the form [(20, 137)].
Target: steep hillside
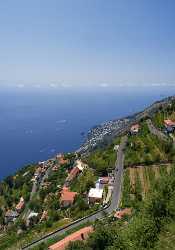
[(49, 195)]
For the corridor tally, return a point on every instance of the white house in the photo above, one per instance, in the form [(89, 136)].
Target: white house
[(95, 195)]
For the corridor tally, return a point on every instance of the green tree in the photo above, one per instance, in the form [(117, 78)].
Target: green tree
[(102, 238), (142, 232), (78, 245)]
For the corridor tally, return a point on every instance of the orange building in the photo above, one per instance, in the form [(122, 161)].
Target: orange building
[(120, 214), (20, 205), (67, 197), (169, 123), (82, 234)]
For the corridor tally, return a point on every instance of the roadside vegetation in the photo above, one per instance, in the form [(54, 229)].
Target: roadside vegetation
[(140, 181), (84, 182), (49, 181), (151, 227), (13, 187), (103, 160), (145, 148), (164, 113), (148, 188)]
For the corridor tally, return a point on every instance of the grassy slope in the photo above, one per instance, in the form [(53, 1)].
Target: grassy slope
[(139, 182), (103, 160), (145, 148), (82, 184), (167, 238)]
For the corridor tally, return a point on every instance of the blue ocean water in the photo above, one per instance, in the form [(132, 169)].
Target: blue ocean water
[(36, 124)]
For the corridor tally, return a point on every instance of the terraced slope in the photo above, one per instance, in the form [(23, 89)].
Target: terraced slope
[(140, 181)]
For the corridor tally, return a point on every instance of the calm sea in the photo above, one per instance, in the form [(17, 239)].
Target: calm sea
[(36, 124)]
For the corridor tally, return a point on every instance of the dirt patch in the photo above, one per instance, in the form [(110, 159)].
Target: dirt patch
[(143, 181), (168, 168), (156, 171), (132, 178)]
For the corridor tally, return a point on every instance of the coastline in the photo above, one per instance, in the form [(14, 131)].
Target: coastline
[(106, 131)]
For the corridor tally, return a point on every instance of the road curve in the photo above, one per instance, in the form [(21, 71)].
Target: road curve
[(116, 194), (155, 131)]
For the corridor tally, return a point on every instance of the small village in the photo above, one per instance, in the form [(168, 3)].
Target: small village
[(99, 193), (97, 134)]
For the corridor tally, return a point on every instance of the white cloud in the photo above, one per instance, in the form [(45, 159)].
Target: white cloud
[(161, 84), (104, 85)]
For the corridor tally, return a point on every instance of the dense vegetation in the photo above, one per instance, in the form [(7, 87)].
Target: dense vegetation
[(139, 182), (84, 182), (145, 148), (103, 160), (13, 187), (46, 198), (150, 227), (164, 113)]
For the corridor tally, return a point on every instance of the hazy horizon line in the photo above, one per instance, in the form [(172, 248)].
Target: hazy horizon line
[(64, 85)]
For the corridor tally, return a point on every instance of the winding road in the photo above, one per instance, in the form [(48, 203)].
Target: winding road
[(36, 186), (116, 194), (155, 131)]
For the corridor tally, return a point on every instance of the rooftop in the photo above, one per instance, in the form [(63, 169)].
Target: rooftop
[(135, 127), (81, 234), (11, 213), (169, 122), (67, 195), (21, 204), (95, 193), (120, 214), (32, 214)]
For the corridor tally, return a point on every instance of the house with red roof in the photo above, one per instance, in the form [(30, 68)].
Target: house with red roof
[(169, 125), (81, 235), (121, 213), (75, 171), (20, 205), (67, 197), (134, 129)]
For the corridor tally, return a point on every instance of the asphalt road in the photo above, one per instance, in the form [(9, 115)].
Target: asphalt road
[(35, 187), (156, 131), (27, 210), (118, 176), (116, 194)]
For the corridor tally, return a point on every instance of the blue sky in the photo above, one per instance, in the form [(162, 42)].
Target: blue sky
[(87, 42)]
